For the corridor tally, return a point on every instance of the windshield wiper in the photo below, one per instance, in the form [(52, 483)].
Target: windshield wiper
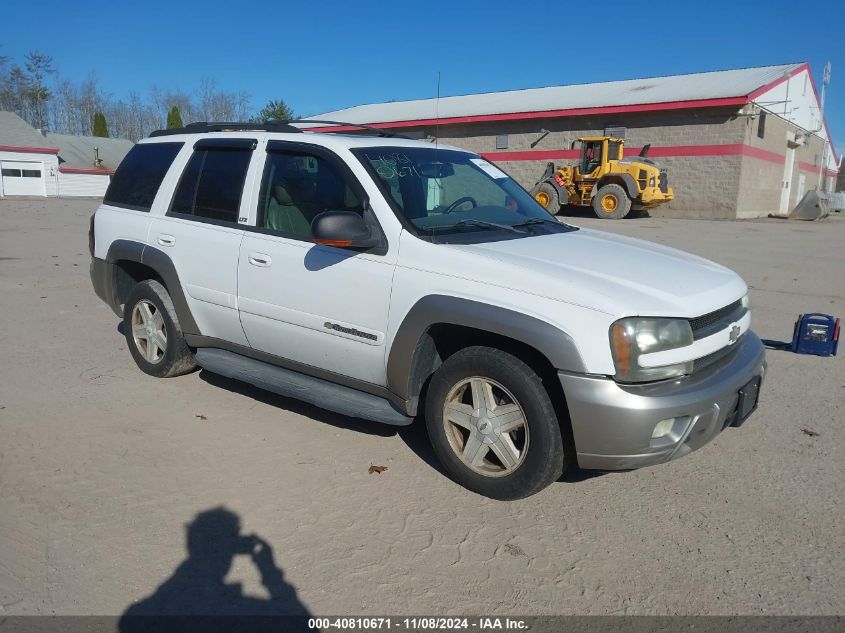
[(485, 224), (537, 221), (558, 224)]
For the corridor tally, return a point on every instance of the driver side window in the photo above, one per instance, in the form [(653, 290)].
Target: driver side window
[(295, 188)]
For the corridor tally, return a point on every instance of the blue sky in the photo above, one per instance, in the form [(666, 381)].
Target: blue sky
[(329, 55)]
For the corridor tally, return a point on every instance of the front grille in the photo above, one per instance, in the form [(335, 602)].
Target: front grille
[(663, 181), (711, 359), (712, 322)]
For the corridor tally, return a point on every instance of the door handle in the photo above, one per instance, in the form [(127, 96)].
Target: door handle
[(166, 240), (260, 259)]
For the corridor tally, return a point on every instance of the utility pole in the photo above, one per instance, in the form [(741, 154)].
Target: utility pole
[(825, 82)]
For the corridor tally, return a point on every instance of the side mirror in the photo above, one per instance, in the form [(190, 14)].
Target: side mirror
[(344, 229)]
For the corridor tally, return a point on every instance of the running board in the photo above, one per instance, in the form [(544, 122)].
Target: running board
[(322, 393)]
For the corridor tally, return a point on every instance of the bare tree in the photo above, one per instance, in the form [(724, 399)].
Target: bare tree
[(219, 105), (42, 98), (39, 66), (164, 100)]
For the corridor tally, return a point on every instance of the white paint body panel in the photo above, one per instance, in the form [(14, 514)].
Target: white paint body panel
[(285, 306), (206, 259)]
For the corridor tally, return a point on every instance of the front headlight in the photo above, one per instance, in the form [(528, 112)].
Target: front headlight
[(633, 337), (651, 182), (746, 301)]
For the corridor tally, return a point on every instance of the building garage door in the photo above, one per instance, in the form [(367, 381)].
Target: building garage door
[(23, 178)]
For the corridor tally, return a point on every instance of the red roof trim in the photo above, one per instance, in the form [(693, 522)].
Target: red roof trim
[(545, 114), (792, 74), (779, 81), (76, 170), (818, 100), (29, 150)]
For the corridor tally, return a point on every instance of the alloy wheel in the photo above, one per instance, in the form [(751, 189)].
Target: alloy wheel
[(148, 331), (486, 427)]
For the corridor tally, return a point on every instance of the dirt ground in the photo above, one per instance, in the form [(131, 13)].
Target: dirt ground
[(104, 471)]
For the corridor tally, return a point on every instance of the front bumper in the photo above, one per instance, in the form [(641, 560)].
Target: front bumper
[(612, 423)]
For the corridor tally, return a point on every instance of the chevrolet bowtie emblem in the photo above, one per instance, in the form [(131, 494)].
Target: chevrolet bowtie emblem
[(734, 335)]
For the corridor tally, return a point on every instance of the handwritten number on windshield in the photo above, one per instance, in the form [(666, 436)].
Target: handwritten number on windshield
[(391, 166)]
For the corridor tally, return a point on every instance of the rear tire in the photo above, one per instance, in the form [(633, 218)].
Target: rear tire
[(492, 424), (612, 202), (547, 197), (153, 334)]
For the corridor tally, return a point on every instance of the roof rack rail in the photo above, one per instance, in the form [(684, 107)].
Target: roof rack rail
[(279, 125), (378, 130), (226, 126)]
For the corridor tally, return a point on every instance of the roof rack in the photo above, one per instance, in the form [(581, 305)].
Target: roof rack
[(271, 126), (380, 131), (224, 126)]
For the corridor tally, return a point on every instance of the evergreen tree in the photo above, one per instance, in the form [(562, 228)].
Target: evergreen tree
[(275, 110), (174, 118), (100, 127)]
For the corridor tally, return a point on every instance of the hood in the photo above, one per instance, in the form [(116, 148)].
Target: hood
[(618, 275), (632, 160)]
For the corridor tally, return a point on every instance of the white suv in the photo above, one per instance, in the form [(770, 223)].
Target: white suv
[(387, 279)]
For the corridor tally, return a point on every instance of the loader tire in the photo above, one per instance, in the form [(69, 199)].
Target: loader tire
[(546, 196), (612, 202)]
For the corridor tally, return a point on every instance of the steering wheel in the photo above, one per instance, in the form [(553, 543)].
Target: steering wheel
[(459, 202)]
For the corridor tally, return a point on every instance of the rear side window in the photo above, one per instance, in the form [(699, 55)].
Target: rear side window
[(212, 184), (138, 177)]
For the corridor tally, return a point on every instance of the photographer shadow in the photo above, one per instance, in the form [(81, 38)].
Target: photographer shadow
[(196, 593)]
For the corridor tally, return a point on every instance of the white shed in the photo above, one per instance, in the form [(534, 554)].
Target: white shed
[(86, 163), (28, 165), (36, 164)]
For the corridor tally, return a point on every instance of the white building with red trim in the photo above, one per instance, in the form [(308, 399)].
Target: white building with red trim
[(36, 164), (737, 143), (28, 165)]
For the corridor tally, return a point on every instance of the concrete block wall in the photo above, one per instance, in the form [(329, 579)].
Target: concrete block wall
[(705, 186), (762, 178)]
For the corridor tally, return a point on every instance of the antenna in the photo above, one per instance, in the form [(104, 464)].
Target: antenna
[(823, 161), (437, 112), (825, 82)]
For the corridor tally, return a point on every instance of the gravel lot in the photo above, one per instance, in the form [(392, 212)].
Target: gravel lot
[(102, 468)]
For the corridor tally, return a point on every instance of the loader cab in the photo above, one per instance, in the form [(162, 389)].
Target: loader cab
[(592, 156), (596, 151)]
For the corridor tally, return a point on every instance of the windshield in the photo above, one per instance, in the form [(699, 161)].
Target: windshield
[(446, 195)]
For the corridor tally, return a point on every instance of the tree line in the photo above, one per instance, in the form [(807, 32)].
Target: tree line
[(34, 91)]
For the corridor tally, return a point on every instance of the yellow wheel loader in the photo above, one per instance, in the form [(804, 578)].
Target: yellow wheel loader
[(604, 180)]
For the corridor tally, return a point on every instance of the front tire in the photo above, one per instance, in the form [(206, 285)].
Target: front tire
[(611, 201), (547, 197), (492, 424), (153, 334)]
